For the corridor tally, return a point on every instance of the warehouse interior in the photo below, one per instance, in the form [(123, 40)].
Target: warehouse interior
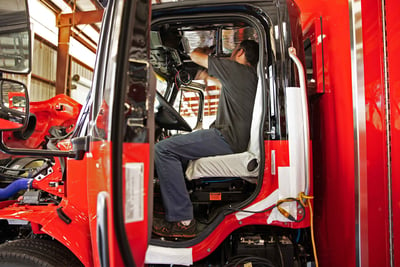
[(58, 30)]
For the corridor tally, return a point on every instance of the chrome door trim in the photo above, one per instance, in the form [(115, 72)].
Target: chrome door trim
[(360, 141), (388, 133), (102, 229)]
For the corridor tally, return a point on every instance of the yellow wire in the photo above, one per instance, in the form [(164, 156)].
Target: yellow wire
[(308, 199), (159, 77), (301, 198)]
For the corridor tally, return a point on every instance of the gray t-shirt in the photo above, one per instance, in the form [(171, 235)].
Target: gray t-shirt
[(236, 102)]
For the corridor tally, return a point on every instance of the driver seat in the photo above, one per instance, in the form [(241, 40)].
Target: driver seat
[(245, 164)]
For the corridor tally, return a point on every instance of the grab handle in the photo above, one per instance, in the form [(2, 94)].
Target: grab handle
[(306, 128)]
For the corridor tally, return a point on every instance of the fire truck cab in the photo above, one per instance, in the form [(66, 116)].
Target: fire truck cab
[(93, 196)]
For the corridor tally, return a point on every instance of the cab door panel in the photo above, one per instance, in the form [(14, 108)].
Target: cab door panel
[(119, 166)]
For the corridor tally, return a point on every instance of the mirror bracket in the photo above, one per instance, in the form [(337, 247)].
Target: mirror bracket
[(34, 152), (80, 145)]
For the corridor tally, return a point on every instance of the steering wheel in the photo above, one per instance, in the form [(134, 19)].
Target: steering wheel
[(168, 118)]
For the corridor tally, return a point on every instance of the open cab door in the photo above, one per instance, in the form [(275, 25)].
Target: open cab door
[(119, 138), (101, 177)]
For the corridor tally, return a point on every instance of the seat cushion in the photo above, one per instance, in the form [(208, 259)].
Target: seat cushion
[(243, 165)]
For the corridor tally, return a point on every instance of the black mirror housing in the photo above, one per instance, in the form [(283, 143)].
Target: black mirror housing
[(15, 37)]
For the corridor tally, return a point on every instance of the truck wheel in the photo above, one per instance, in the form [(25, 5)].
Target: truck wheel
[(36, 252)]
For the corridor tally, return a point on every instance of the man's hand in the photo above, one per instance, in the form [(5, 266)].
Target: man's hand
[(200, 56)]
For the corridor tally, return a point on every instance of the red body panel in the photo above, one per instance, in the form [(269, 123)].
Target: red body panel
[(378, 213), (137, 232), (6, 124), (313, 29), (99, 179), (53, 182), (270, 184), (332, 117), (75, 236), (331, 123)]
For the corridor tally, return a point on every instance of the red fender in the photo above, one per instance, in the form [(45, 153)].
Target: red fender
[(68, 225)]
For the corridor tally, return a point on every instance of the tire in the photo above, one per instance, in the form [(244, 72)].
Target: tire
[(36, 252)]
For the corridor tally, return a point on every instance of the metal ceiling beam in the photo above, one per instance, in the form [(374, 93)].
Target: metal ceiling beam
[(65, 22), (63, 60), (81, 17), (82, 38), (57, 11), (73, 6), (53, 7)]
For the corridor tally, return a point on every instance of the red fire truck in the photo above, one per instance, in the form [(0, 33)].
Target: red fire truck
[(324, 124)]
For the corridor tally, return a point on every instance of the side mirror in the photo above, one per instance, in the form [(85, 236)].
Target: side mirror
[(15, 37), (14, 116), (14, 105)]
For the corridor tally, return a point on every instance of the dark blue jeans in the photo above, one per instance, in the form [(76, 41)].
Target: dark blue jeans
[(170, 154)]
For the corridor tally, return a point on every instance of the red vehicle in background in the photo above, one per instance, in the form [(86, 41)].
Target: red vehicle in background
[(55, 117), (90, 201)]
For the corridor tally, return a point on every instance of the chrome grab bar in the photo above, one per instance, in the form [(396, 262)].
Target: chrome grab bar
[(306, 128)]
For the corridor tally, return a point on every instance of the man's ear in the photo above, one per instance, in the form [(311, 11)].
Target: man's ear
[(241, 56), (240, 52)]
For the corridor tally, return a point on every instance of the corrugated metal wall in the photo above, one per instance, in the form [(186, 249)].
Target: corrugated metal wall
[(44, 68), (80, 69), (44, 63)]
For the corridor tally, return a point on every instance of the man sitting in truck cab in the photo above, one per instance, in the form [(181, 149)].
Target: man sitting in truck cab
[(229, 134)]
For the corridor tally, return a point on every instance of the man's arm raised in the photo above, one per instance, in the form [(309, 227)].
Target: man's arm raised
[(200, 56)]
